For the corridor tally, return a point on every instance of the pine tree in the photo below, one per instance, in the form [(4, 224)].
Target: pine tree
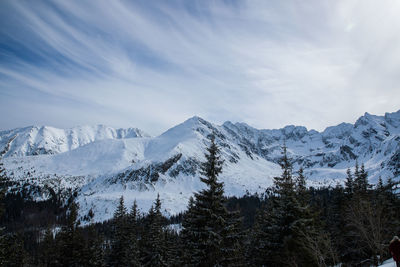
[(12, 251), (71, 247), (3, 188), (336, 217), (209, 230), (258, 250), (349, 183), (173, 247), (232, 247), (392, 200), (94, 253), (47, 249), (379, 185), (286, 222), (120, 241), (155, 250), (361, 180), (366, 221), (209, 213), (188, 240), (301, 189), (356, 171), (134, 252)]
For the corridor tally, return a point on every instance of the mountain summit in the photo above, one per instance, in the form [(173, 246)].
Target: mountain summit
[(102, 163)]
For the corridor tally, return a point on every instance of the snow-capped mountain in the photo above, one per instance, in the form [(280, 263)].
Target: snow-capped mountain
[(32, 140), (103, 163)]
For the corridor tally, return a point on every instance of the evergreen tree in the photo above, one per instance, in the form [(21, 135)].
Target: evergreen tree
[(232, 246), (301, 181), (301, 189), (258, 250), (3, 238), (379, 185), (156, 253), (349, 183), (361, 180), (134, 251), (366, 221), (356, 172), (47, 249), (188, 234), (391, 189), (173, 247), (3, 188), (71, 242), (335, 219), (94, 253), (286, 222), (209, 230), (120, 253)]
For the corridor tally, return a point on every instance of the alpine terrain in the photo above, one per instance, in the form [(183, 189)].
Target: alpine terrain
[(100, 163)]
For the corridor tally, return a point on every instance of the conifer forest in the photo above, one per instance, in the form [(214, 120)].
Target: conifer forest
[(289, 225), (209, 133)]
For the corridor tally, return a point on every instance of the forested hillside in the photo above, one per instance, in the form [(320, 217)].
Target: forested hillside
[(289, 224)]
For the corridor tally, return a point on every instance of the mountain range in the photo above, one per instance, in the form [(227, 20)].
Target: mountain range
[(102, 163)]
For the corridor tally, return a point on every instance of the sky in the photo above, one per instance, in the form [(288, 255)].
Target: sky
[(154, 64)]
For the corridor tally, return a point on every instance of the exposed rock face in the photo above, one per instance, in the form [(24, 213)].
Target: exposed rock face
[(102, 163)]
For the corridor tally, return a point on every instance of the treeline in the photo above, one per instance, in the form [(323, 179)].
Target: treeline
[(288, 225)]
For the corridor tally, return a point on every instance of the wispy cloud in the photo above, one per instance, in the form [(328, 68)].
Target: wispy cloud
[(153, 64)]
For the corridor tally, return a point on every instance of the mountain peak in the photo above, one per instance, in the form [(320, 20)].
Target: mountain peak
[(35, 140), (393, 118), (170, 163), (192, 120)]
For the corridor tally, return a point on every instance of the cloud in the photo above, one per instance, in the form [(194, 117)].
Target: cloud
[(154, 64)]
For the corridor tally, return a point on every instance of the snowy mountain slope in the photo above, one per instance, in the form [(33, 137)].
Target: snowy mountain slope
[(171, 168), (103, 163), (34, 140), (372, 140)]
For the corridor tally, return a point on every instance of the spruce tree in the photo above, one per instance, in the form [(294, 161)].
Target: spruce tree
[(12, 251), (3, 188), (232, 246), (47, 249), (286, 222), (94, 253), (301, 189), (188, 240), (349, 183), (257, 253), (71, 245), (336, 216), (361, 180), (155, 251), (209, 230), (134, 252), (120, 241), (365, 221)]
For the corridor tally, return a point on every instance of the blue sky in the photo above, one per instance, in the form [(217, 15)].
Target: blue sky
[(153, 64)]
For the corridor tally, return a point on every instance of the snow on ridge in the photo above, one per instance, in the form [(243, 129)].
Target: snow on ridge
[(37, 140), (104, 163)]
